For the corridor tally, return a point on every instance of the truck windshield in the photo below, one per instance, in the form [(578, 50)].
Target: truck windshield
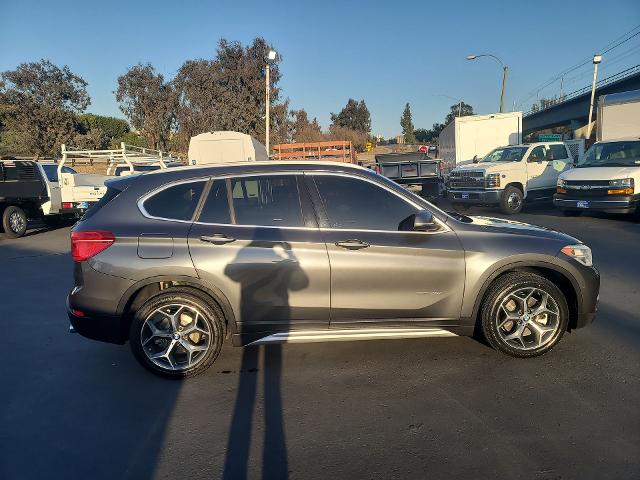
[(612, 154), (505, 154)]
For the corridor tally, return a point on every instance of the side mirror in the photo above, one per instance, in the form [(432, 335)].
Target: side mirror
[(475, 159), (423, 221)]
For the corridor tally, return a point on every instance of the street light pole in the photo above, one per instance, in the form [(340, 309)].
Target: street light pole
[(505, 74), (271, 56), (596, 60)]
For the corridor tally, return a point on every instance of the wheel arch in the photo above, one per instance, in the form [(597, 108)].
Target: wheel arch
[(519, 185), (556, 274), (139, 292)]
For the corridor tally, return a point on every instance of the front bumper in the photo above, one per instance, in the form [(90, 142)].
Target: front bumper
[(476, 197), (607, 204)]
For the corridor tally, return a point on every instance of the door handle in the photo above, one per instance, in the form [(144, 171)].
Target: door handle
[(353, 244), (217, 239)]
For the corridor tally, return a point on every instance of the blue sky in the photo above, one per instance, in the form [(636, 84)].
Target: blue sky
[(387, 53)]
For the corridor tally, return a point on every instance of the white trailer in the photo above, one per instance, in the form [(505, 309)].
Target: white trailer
[(476, 135), (225, 147), (618, 116)]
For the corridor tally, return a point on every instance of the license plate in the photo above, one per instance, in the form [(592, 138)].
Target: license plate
[(83, 205), (464, 196), (582, 204)]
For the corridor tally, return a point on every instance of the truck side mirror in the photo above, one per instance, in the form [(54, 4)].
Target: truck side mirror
[(423, 221), (475, 159)]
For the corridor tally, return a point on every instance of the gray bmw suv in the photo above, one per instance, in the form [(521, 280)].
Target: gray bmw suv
[(176, 261)]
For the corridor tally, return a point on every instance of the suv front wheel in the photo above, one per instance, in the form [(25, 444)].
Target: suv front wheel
[(177, 333), (524, 315)]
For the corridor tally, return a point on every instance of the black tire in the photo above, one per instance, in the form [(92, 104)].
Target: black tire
[(511, 200), (210, 313), (491, 312), (14, 222), (569, 212)]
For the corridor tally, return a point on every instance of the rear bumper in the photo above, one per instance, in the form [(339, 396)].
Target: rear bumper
[(607, 204), (485, 197), (104, 328)]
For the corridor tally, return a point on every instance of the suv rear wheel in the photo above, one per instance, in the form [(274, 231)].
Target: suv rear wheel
[(177, 333), (14, 222), (524, 315)]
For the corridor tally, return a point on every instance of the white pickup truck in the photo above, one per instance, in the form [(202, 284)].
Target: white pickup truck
[(509, 176)]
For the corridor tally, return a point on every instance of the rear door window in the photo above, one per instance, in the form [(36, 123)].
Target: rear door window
[(558, 152), (177, 202), (267, 200)]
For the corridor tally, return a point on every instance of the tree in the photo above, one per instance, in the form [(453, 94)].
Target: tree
[(113, 128), (459, 109), (303, 130), (39, 103), (148, 102), (227, 92), (407, 125), (356, 137), (355, 116), (422, 135)]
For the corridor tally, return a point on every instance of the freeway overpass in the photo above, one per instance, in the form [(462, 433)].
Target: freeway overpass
[(573, 111)]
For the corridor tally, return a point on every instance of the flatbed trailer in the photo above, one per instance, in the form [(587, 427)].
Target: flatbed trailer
[(332, 151)]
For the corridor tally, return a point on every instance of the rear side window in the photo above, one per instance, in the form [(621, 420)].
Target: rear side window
[(558, 152), (269, 200), (178, 202), (216, 207), (19, 171)]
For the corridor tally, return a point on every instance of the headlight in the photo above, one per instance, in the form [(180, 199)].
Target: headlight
[(581, 253), (492, 180), (621, 183)]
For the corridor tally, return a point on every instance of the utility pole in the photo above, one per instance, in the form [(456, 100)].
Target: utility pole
[(505, 73), (596, 60), (271, 56)]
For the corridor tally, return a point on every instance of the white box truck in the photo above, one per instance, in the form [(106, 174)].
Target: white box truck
[(225, 147), (607, 178), (476, 135)]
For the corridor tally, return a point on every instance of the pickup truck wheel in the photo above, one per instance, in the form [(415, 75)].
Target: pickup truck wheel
[(511, 200), (568, 212), (14, 222), (524, 315), (177, 334)]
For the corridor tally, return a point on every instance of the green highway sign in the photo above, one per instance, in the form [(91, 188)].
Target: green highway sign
[(549, 137)]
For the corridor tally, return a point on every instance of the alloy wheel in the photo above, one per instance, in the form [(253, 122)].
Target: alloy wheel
[(513, 201), (528, 318), (175, 337), (16, 222)]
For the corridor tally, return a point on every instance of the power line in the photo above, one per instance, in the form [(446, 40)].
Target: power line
[(607, 48)]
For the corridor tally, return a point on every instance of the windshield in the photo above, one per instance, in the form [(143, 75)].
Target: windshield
[(612, 154), (505, 154), (52, 171)]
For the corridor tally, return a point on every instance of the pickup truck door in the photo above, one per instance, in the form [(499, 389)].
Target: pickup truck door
[(558, 160), (537, 163), (382, 273)]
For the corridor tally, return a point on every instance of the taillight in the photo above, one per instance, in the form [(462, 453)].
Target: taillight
[(85, 245), (67, 205)]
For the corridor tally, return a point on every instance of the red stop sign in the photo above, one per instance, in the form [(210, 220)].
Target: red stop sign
[(423, 149)]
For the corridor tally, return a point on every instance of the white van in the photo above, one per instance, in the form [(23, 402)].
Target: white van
[(607, 179), (225, 147)]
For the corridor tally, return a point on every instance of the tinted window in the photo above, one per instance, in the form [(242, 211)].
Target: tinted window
[(216, 208), (537, 154), (178, 202), (51, 171), (352, 203), (558, 152), (271, 200)]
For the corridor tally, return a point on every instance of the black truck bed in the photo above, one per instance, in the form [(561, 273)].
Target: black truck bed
[(21, 181)]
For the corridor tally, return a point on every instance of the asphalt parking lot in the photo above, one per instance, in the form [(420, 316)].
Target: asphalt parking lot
[(428, 408)]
